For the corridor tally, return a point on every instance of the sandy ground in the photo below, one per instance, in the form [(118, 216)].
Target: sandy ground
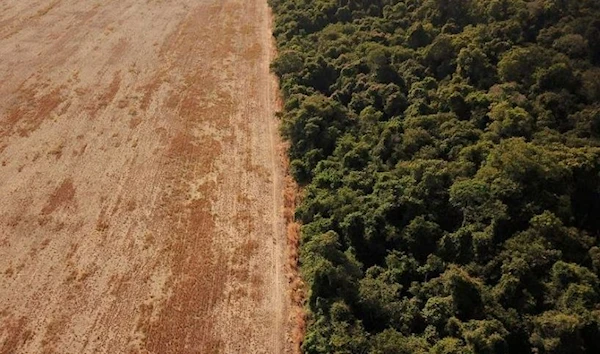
[(140, 181)]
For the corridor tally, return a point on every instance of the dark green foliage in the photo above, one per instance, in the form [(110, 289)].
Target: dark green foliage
[(449, 152)]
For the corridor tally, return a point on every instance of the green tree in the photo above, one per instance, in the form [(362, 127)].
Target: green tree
[(520, 63), (557, 333)]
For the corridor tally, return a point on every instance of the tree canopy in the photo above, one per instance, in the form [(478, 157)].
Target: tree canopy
[(449, 155)]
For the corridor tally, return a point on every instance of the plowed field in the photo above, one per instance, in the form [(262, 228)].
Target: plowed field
[(140, 179)]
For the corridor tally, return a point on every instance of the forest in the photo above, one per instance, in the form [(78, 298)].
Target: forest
[(448, 153)]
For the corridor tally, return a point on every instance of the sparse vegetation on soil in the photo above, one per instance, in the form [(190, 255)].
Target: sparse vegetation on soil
[(142, 205)]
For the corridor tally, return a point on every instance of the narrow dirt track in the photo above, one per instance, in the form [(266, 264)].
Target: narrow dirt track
[(140, 181)]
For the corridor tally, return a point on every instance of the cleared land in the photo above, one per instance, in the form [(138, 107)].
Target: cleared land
[(140, 180)]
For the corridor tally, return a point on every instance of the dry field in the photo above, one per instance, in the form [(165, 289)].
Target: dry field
[(140, 179)]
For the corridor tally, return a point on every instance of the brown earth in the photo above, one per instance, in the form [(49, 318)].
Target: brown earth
[(141, 185)]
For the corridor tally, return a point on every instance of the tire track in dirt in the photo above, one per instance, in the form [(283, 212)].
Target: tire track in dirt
[(144, 193)]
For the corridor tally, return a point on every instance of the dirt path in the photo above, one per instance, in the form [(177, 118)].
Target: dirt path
[(141, 189)]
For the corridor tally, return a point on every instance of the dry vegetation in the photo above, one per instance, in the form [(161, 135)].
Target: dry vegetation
[(143, 188)]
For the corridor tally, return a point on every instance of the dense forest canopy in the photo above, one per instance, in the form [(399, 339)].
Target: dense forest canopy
[(449, 153)]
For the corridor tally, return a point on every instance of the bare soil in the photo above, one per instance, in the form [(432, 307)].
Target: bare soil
[(141, 186)]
